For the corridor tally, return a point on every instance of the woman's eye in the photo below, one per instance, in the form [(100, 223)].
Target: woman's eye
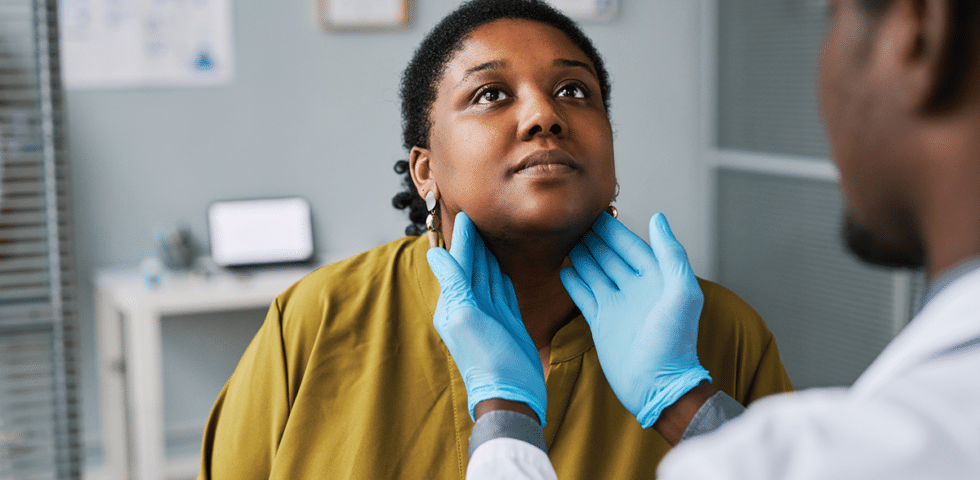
[(491, 95), (571, 91)]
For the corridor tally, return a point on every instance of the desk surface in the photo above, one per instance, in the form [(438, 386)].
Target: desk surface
[(180, 293)]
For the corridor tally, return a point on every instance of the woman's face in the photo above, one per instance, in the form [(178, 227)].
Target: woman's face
[(519, 137)]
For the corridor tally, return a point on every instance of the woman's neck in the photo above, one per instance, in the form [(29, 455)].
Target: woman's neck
[(534, 268), (533, 264)]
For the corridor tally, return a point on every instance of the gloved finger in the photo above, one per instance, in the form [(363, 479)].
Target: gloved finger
[(670, 254), (590, 272), (509, 292), (625, 243), (452, 280), (501, 289), (483, 273), (462, 244), (609, 261), (580, 293), (490, 269)]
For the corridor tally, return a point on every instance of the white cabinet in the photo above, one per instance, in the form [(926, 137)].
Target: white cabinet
[(128, 316)]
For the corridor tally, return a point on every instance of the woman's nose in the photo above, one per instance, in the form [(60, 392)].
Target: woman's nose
[(542, 118)]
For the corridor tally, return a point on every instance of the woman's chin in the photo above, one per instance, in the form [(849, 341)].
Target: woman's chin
[(553, 225)]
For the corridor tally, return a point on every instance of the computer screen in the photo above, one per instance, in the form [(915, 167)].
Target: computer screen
[(260, 231)]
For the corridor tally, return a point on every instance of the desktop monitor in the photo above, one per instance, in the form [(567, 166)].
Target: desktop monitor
[(248, 233)]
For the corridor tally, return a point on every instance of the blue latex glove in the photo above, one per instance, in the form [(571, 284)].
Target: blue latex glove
[(479, 321), (643, 305)]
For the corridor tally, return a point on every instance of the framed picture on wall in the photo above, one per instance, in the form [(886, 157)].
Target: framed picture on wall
[(587, 10), (364, 14)]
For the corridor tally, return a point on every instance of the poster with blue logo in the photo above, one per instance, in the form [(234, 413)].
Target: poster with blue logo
[(134, 43)]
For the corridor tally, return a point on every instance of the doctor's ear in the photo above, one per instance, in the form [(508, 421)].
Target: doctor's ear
[(916, 39)]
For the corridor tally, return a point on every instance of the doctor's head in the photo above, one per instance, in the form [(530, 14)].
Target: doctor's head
[(505, 116), (900, 92)]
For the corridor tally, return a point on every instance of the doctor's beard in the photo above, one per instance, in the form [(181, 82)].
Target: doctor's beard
[(868, 247)]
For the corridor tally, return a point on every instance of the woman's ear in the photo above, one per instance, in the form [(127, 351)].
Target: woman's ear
[(421, 171)]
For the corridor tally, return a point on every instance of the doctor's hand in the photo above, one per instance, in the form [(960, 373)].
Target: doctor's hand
[(479, 321), (642, 305)]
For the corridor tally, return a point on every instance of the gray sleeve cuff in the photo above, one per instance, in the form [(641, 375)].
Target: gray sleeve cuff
[(507, 424), (718, 410)]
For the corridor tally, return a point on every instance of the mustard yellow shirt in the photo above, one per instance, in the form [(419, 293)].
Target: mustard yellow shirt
[(348, 379)]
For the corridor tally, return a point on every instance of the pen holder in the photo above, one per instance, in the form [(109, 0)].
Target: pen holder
[(177, 248)]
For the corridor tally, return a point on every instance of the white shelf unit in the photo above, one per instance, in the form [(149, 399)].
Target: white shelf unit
[(128, 320)]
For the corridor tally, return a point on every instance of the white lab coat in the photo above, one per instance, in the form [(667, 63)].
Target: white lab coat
[(913, 414), (509, 459)]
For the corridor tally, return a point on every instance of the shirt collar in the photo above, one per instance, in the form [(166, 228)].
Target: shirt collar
[(944, 279)]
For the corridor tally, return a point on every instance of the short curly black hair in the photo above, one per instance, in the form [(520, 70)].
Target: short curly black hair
[(421, 78)]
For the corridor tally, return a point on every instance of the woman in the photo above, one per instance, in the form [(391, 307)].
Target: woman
[(505, 108)]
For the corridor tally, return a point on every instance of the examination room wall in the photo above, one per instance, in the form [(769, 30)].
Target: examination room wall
[(315, 113)]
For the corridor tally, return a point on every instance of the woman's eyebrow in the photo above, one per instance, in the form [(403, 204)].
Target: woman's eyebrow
[(491, 65), (502, 64), (564, 62)]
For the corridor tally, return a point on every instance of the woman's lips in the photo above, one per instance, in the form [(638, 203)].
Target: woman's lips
[(545, 163), (546, 169)]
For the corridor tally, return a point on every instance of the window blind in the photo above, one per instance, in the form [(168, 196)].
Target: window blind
[(780, 249), (38, 418), (767, 75)]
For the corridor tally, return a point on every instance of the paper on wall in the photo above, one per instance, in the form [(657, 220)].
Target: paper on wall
[(131, 43), (586, 9), (365, 12)]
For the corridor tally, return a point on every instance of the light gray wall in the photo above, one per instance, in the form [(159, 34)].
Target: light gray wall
[(315, 113)]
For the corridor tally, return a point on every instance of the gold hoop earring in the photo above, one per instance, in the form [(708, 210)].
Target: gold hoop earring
[(611, 209), (432, 220)]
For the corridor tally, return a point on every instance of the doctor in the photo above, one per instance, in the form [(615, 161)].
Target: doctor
[(900, 90)]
